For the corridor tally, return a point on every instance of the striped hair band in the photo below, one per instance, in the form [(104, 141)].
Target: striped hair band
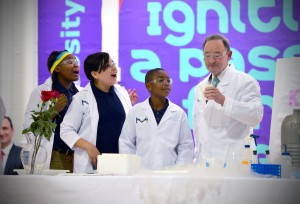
[(59, 58)]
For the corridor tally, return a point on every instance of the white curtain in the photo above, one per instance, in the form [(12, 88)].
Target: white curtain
[(18, 58)]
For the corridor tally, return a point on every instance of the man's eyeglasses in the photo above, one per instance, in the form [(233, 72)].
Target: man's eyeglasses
[(70, 61), (162, 81), (215, 55)]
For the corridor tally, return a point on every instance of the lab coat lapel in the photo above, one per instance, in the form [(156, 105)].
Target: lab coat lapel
[(149, 113), (226, 79), (93, 111), (120, 91), (168, 113)]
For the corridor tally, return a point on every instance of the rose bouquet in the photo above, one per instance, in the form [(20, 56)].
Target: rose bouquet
[(42, 125)]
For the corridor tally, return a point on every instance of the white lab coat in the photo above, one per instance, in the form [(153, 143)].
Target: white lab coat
[(217, 126), (167, 144), (81, 121), (34, 101)]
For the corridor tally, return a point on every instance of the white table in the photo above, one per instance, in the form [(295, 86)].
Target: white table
[(147, 188)]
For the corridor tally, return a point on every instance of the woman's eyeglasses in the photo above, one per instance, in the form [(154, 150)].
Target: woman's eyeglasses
[(111, 64), (70, 61)]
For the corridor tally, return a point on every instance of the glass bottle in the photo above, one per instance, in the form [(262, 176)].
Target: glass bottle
[(268, 159), (206, 158), (254, 157), (247, 155)]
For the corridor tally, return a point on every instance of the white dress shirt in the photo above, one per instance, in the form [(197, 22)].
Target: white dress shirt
[(6, 151)]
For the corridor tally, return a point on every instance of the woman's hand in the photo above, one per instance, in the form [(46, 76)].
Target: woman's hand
[(93, 152), (61, 103), (133, 96)]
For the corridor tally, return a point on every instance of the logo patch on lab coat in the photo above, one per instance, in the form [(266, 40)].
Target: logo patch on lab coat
[(141, 120), (84, 102)]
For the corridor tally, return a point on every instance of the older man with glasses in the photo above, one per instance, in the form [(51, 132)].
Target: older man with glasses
[(227, 103)]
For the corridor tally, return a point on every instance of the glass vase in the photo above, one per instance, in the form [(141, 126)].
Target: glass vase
[(33, 155)]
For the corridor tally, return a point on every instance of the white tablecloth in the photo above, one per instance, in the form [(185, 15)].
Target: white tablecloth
[(147, 188)]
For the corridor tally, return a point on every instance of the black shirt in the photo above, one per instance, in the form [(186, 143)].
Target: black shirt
[(59, 144), (159, 114), (111, 119)]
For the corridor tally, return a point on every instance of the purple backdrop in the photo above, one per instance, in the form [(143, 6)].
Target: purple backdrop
[(71, 25), (169, 34), (258, 31)]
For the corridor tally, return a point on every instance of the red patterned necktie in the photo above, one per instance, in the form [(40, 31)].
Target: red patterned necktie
[(2, 155)]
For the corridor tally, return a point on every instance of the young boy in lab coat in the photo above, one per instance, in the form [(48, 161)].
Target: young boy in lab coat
[(157, 130)]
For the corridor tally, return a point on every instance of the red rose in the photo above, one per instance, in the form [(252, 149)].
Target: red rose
[(55, 94), (47, 95)]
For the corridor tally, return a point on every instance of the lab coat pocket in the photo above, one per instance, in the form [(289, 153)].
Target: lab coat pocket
[(142, 125), (218, 118), (200, 105), (170, 133)]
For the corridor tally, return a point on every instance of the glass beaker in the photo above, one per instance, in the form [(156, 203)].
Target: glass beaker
[(231, 159)]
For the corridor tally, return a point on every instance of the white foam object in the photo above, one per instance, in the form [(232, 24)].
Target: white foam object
[(203, 87), (120, 164)]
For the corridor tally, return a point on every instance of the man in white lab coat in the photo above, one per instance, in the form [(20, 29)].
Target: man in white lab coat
[(157, 130), (227, 103)]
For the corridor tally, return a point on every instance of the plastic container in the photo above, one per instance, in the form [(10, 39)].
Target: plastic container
[(290, 133), (267, 169), (254, 157), (247, 155), (268, 160), (286, 165)]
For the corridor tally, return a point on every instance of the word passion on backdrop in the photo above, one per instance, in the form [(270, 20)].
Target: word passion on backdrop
[(169, 34)]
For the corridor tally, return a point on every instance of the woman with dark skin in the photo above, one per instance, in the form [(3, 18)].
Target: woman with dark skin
[(64, 69)]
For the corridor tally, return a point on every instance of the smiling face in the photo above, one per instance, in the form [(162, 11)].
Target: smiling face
[(159, 86), (68, 69), (105, 78), (6, 133), (216, 65)]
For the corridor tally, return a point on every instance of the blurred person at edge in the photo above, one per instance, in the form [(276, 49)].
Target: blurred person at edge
[(93, 122), (225, 112), (2, 110), (64, 70), (11, 153)]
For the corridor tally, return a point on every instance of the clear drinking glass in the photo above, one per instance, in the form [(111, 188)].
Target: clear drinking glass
[(231, 159), (206, 155)]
